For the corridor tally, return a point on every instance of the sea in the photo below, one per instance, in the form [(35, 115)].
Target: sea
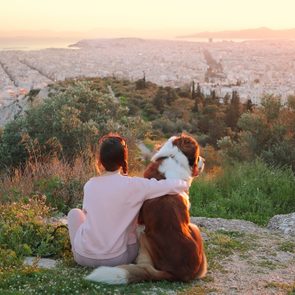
[(35, 44), (38, 44)]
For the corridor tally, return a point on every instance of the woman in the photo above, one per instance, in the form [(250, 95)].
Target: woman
[(104, 232)]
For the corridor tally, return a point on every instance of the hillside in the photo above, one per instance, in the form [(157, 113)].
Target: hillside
[(74, 113), (48, 152), (243, 258), (258, 33)]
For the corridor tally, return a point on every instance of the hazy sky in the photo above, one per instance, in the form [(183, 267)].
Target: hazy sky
[(145, 17)]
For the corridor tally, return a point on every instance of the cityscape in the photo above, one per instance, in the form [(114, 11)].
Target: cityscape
[(253, 68), (147, 147)]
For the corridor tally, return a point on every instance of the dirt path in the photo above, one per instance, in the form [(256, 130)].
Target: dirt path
[(245, 259)]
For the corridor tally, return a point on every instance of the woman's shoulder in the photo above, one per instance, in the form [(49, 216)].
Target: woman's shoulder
[(103, 178), (91, 181)]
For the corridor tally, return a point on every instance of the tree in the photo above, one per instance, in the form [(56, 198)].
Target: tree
[(159, 100), (199, 99), (141, 83), (72, 119), (267, 132), (170, 95), (291, 102), (233, 111), (272, 106), (193, 90), (249, 105)]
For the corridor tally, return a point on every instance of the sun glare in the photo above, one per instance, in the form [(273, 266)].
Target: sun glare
[(144, 18)]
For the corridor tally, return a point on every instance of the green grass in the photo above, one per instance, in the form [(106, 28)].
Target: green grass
[(287, 246), (222, 244), (249, 191), (265, 263), (23, 232), (287, 288), (70, 280)]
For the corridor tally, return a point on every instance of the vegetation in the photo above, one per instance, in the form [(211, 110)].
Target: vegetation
[(24, 232), (78, 112), (66, 125), (70, 280), (56, 139), (251, 191), (47, 155), (266, 132)]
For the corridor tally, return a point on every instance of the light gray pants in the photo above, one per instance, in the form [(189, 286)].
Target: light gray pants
[(75, 218)]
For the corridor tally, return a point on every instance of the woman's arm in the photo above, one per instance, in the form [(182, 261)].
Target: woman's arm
[(156, 188)]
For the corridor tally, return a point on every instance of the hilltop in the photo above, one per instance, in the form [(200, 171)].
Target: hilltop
[(47, 154), (258, 33)]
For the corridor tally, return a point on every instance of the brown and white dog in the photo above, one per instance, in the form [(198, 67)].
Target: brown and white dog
[(171, 248)]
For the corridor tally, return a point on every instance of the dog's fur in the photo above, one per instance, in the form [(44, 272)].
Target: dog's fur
[(171, 248)]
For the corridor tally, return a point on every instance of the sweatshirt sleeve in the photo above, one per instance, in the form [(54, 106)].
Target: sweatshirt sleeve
[(155, 188), (85, 197)]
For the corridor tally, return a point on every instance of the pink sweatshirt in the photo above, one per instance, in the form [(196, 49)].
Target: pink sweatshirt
[(112, 203)]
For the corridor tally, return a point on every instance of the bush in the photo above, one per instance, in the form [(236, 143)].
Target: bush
[(60, 182), (24, 232), (60, 194), (266, 132), (68, 124), (250, 191)]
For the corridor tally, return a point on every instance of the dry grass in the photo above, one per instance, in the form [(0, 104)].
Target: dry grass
[(22, 183)]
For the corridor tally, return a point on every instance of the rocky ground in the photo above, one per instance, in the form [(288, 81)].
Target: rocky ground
[(243, 258), (247, 259)]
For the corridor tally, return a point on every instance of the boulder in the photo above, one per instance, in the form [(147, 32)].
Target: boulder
[(284, 223)]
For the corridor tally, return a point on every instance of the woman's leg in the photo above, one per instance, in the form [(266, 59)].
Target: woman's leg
[(132, 251), (75, 218), (126, 258)]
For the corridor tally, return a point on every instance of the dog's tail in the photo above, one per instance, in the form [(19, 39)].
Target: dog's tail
[(125, 274), (143, 270), (203, 267)]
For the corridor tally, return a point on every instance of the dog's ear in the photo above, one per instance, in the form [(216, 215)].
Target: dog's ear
[(190, 148), (195, 170)]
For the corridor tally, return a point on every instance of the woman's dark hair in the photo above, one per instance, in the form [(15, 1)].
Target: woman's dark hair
[(113, 153)]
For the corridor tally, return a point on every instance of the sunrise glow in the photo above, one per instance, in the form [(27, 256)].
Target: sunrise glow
[(143, 18)]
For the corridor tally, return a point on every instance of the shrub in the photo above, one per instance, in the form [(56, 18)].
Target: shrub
[(23, 231), (60, 182), (212, 158), (66, 125), (266, 132)]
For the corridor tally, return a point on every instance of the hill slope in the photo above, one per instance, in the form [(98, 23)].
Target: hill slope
[(259, 33)]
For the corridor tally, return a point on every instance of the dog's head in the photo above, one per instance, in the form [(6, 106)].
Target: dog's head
[(181, 158)]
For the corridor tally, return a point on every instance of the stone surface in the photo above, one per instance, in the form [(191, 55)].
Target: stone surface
[(227, 224), (257, 261), (41, 262), (284, 223)]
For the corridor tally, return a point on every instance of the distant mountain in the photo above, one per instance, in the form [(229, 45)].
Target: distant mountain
[(258, 33), (101, 42), (40, 34)]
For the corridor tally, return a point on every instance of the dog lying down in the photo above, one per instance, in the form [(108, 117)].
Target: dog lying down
[(171, 248)]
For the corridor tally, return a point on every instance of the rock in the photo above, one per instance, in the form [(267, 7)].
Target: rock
[(227, 224), (284, 223), (41, 262), (18, 107), (57, 220)]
